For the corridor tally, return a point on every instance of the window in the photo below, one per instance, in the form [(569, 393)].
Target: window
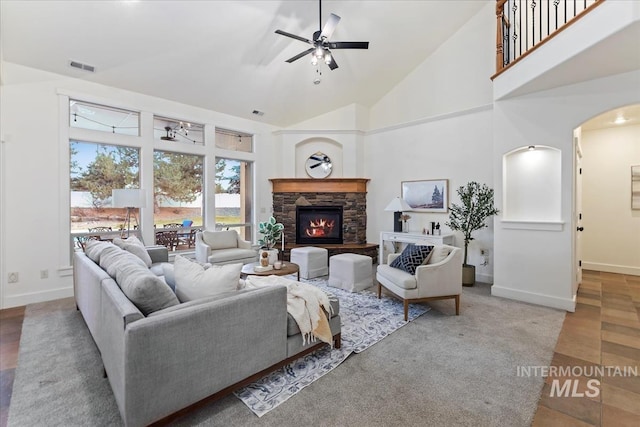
[(105, 119), (178, 131), (177, 198), (234, 141), (95, 170), (234, 195)]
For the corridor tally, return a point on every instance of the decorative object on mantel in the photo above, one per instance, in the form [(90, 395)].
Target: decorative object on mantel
[(271, 232), (318, 165), (476, 206), (397, 205)]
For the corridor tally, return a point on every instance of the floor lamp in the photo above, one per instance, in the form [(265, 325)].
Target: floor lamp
[(130, 198), (397, 205)]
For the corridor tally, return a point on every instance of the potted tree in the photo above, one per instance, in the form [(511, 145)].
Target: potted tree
[(476, 206), (271, 233)]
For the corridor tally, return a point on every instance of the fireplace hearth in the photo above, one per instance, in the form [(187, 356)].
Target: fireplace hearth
[(319, 225)]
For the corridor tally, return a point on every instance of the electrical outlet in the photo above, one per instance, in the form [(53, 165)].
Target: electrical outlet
[(13, 278), (44, 274)]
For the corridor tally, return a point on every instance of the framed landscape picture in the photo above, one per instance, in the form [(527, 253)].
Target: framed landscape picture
[(635, 187), (430, 195)]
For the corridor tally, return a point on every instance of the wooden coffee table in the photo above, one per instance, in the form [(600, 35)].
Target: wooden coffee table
[(287, 268)]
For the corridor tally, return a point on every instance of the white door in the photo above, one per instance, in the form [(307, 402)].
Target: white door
[(578, 215)]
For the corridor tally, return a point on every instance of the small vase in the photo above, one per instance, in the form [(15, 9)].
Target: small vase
[(273, 255)]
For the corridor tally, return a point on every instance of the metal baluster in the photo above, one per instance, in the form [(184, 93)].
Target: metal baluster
[(555, 4), (533, 23), (515, 31)]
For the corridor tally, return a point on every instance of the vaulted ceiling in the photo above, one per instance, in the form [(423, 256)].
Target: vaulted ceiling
[(224, 55)]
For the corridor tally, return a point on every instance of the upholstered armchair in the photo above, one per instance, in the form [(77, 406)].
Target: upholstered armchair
[(440, 279), (224, 247)]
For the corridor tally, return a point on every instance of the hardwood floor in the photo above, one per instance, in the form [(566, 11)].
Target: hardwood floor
[(604, 331)]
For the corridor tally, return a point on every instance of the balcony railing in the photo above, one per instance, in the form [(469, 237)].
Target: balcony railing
[(524, 25)]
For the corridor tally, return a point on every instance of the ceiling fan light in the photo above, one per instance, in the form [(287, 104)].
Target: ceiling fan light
[(327, 58), (319, 52), (314, 60)]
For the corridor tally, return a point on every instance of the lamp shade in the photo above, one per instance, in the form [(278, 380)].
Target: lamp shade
[(128, 198), (397, 205)]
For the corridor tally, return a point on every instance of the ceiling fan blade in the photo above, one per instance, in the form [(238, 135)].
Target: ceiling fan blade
[(293, 36), (349, 45), (329, 26), (314, 166), (332, 65), (301, 54)]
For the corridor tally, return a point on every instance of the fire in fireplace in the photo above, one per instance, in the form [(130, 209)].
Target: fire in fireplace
[(318, 224)]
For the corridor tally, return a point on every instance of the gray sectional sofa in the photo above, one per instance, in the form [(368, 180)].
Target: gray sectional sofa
[(160, 362)]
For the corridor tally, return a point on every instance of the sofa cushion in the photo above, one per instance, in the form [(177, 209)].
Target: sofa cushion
[(113, 258), (144, 289), (220, 239), (439, 254), (398, 277), (94, 248), (226, 255), (135, 246), (411, 257), (193, 281)]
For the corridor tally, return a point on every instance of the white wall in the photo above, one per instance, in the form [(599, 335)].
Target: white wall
[(535, 265), (454, 78), (34, 169), (611, 237), (457, 148)]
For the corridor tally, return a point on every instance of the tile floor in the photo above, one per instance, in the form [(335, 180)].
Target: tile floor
[(603, 332)]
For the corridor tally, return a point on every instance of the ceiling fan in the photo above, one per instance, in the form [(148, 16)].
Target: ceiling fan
[(320, 42)]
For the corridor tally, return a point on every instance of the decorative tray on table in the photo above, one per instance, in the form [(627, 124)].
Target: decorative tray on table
[(261, 269)]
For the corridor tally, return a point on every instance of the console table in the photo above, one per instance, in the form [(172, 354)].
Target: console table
[(405, 238)]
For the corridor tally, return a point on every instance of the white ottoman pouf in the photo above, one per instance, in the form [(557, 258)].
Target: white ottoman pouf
[(351, 272), (312, 261)]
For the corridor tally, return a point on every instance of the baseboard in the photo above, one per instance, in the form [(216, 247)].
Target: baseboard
[(34, 297), (611, 268), (533, 298)]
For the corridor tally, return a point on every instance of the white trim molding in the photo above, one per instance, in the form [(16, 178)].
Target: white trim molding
[(18, 300), (533, 298), (533, 225), (611, 268)]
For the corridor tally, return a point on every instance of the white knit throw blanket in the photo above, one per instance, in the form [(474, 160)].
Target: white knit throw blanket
[(304, 303)]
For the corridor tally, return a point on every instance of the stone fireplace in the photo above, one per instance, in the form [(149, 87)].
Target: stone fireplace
[(348, 194), (318, 224)]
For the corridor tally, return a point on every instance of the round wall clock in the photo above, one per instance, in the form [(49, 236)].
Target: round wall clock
[(318, 165)]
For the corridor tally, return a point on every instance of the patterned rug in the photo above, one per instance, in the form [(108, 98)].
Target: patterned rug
[(365, 321)]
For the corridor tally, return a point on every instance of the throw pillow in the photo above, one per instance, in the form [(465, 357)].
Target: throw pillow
[(135, 246), (411, 257), (193, 281), (113, 258), (94, 248), (144, 289), (169, 275), (439, 254)]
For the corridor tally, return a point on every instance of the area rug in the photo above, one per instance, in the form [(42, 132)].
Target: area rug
[(365, 321), (59, 376)]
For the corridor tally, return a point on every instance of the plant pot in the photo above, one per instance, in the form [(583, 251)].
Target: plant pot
[(468, 275), (273, 255)]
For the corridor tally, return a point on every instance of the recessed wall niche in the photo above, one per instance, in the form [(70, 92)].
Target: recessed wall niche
[(532, 187)]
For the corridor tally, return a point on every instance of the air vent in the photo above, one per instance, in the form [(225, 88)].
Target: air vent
[(81, 66), (258, 113)]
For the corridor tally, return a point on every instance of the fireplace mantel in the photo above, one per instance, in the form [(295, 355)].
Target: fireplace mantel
[(327, 185)]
